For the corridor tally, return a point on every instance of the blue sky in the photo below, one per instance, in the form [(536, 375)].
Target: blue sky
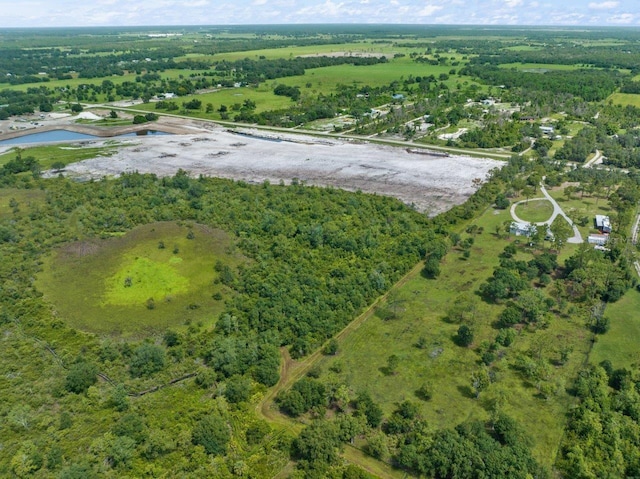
[(39, 13)]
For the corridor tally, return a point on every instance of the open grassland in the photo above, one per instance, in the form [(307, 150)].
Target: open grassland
[(326, 79), (152, 278), (534, 211), (115, 79), (356, 48), (625, 99), (620, 344), (539, 67), (12, 199), (420, 307), (262, 96), (47, 155)]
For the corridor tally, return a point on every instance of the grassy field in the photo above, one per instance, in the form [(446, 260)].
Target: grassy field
[(539, 67), (314, 81), (105, 286), (47, 155), (534, 211), (620, 344), (624, 99), (22, 197), (291, 52), (115, 79), (421, 306), (578, 206), (325, 80), (262, 96)]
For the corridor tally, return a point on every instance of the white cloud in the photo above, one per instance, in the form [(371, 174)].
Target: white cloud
[(622, 19), (259, 2), (513, 3), (429, 10), (603, 5)]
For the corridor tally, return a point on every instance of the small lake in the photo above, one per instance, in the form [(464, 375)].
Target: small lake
[(66, 135)]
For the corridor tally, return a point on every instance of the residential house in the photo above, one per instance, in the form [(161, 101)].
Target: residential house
[(598, 239), (603, 223)]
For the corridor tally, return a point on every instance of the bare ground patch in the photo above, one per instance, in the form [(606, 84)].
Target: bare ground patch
[(432, 184)]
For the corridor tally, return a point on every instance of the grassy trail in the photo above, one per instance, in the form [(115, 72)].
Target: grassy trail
[(291, 371)]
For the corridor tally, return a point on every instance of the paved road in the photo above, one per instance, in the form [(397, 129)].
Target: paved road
[(596, 160), (577, 237), (635, 231), (557, 211)]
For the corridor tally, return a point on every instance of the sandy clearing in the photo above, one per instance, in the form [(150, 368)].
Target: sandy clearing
[(433, 184)]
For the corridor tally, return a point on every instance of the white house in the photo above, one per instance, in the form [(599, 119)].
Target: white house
[(522, 229), (599, 240), (547, 129), (603, 223)]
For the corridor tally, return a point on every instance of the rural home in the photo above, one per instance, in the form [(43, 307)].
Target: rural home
[(603, 223), (521, 229), (598, 239)]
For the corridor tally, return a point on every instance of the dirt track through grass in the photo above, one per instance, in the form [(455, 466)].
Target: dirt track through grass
[(291, 371)]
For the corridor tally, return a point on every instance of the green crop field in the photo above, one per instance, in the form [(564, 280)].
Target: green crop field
[(534, 211), (129, 286)]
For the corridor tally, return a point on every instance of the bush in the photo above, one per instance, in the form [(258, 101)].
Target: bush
[(139, 119), (237, 389), (212, 433), (331, 348), (464, 336), (81, 375), (146, 360)]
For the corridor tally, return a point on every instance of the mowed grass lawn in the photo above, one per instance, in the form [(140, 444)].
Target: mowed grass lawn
[(534, 211), (105, 286), (621, 344), (421, 306)]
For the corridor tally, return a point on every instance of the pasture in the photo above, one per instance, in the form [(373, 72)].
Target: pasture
[(625, 99), (620, 344), (412, 324), (141, 283)]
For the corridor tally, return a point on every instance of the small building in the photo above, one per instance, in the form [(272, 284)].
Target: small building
[(547, 130), (398, 96), (603, 223), (522, 229), (598, 239)]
